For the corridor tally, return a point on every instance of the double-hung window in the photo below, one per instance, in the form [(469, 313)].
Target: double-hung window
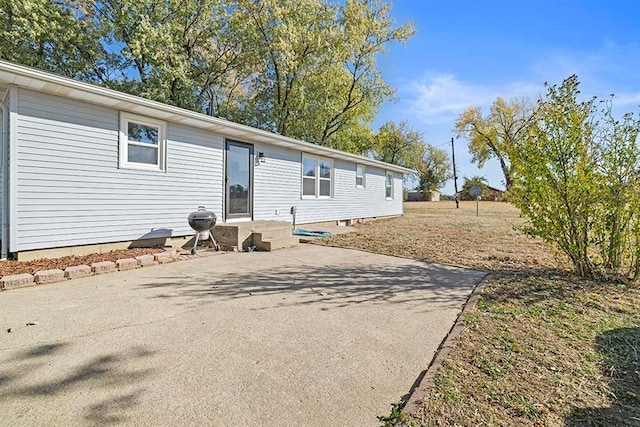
[(317, 177), (388, 185), (142, 142), (360, 173)]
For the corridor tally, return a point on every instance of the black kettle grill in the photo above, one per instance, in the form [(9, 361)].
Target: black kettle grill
[(203, 221)]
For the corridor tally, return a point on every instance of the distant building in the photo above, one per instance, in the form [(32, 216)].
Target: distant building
[(423, 196), (493, 194)]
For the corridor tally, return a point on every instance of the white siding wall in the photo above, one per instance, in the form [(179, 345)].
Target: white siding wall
[(278, 182), (71, 192)]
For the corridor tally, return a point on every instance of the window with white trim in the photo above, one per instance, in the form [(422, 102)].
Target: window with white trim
[(360, 174), (317, 177), (142, 142), (388, 185)]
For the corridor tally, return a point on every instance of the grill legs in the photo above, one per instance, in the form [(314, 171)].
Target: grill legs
[(195, 243)]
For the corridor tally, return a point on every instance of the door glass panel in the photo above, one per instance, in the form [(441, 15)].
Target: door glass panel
[(239, 178)]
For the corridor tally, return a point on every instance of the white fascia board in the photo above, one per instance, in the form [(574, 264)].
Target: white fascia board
[(47, 82)]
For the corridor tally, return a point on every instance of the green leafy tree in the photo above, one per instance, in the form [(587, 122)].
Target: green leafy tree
[(318, 79), (177, 52), (398, 144), (576, 173), (491, 136), (52, 35), (305, 69), (434, 169)]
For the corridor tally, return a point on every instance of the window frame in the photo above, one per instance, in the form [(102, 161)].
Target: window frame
[(124, 142), (390, 187), (363, 176), (317, 178)]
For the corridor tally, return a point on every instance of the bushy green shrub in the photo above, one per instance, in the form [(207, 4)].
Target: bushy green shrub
[(577, 178)]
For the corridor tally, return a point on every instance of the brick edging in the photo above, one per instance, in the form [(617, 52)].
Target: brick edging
[(420, 389), (55, 275)]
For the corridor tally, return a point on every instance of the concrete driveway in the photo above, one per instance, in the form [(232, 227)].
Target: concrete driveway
[(309, 336)]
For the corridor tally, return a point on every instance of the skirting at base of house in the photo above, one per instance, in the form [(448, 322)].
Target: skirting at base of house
[(175, 242), (344, 222), (169, 242)]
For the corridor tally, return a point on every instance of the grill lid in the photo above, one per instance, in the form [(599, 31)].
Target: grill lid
[(202, 219)]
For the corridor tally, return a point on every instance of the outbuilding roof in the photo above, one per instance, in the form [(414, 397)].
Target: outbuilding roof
[(30, 78)]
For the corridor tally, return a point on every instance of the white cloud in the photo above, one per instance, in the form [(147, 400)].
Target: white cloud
[(440, 98)]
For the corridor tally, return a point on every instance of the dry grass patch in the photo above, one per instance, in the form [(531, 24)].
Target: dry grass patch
[(542, 347), (441, 233)]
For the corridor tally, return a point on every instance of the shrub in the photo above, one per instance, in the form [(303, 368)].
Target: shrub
[(577, 179)]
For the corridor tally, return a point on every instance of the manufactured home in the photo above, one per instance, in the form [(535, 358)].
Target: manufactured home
[(83, 166)]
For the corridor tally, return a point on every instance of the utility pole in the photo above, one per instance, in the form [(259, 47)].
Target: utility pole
[(455, 176)]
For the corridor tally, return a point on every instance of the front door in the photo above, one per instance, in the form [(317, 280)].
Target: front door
[(239, 179)]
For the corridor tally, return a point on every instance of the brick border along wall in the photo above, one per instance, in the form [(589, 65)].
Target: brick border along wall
[(51, 276)]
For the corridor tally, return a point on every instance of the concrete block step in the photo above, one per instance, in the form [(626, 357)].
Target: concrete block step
[(242, 234), (275, 234), (279, 243)]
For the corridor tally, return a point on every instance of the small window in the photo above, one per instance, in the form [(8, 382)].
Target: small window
[(317, 176), (388, 185), (360, 176), (142, 142)]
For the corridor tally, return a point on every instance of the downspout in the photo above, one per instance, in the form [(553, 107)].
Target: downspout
[(4, 140)]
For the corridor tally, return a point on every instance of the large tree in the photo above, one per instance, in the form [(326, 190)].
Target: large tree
[(398, 144), (491, 136), (304, 68), (178, 52), (53, 35), (434, 169), (319, 79)]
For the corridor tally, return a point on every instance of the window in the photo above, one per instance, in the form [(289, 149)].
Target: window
[(388, 185), (360, 176), (317, 176), (142, 142)]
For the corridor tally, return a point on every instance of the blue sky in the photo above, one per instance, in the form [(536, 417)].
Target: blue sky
[(467, 53)]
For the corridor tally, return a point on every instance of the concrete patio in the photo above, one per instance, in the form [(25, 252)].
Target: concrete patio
[(308, 336)]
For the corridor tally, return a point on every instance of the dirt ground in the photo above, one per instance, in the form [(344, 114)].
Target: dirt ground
[(8, 268)]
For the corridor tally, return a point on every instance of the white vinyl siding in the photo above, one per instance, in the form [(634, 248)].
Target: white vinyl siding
[(71, 191), (277, 187)]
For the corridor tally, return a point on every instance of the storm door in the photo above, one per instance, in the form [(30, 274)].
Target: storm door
[(239, 179)]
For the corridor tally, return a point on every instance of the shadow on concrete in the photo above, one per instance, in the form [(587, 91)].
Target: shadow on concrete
[(619, 348), (28, 374), (336, 287)]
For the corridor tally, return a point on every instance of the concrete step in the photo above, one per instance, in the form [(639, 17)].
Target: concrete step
[(242, 234), (273, 244)]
